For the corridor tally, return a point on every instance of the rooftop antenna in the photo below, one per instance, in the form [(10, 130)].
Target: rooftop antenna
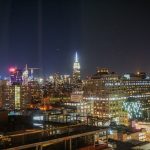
[(76, 57)]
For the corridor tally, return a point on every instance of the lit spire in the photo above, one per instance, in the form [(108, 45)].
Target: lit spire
[(26, 67), (76, 67), (76, 57), (76, 64)]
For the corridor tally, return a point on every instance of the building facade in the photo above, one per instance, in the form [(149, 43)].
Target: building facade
[(109, 91), (16, 97)]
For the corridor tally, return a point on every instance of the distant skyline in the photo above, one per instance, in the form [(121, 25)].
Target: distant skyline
[(47, 33)]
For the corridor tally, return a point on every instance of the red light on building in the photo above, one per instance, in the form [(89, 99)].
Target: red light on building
[(12, 69)]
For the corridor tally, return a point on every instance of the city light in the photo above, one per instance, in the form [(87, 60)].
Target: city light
[(12, 69), (52, 100), (133, 107)]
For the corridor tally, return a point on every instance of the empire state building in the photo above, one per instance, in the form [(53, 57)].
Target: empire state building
[(76, 68)]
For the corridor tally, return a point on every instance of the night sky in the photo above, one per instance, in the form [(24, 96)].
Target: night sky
[(47, 33)]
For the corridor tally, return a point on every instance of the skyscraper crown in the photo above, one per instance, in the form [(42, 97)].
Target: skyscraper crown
[(76, 57)]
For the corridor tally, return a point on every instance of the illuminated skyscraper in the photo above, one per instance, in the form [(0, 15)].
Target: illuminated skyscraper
[(76, 68), (15, 76), (17, 97)]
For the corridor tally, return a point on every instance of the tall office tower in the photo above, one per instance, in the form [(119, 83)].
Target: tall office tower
[(15, 76), (12, 97), (107, 101), (3, 85), (34, 92), (76, 68), (15, 97), (17, 102)]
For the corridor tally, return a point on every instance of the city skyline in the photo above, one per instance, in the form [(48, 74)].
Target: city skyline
[(74, 75), (76, 68)]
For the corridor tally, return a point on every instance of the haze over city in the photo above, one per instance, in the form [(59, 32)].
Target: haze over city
[(46, 34)]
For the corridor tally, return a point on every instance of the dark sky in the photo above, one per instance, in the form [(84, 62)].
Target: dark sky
[(46, 34)]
